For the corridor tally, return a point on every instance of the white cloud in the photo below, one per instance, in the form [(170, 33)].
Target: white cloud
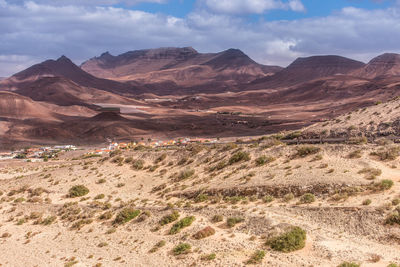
[(86, 2), (296, 5), (250, 6), (33, 32)]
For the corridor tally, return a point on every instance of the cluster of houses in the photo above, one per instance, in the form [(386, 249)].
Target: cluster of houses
[(45, 153), (37, 152)]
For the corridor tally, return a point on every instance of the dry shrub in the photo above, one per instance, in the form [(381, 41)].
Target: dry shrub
[(206, 232)]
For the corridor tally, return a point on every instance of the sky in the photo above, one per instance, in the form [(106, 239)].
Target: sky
[(272, 32)]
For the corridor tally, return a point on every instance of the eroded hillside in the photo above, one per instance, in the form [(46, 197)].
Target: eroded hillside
[(263, 203)]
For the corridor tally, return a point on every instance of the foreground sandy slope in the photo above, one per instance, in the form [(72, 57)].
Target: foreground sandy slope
[(41, 226)]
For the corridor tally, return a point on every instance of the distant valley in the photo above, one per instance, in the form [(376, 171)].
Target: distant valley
[(179, 92)]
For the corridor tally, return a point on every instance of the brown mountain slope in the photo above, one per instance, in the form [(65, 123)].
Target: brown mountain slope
[(64, 92), (384, 65), (63, 67), (183, 66), (307, 69), (144, 61), (15, 106)]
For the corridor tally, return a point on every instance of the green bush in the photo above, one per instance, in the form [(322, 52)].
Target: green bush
[(169, 218), (383, 185), (115, 152), (307, 198), (78, 191), (393, 218), (209, 257), (348, 264), (367, 202), (257, 257), (370, 173), (106, 215), (268, 199), (99, 196), (304, 151), (388, 154), (160, 158), (232, 221), (358, 140), (220, 165), (183, 161), (138, 164), (185, 222), (229, 146), (118, 160), (239, 156), (264, 160), (182, 248), (183, 175), (288, 197), (217, 218), (126, 215), (355, 154), (292, 240), (128, 160), (48, 220), (292, 135), (201, 198), (157, 246)]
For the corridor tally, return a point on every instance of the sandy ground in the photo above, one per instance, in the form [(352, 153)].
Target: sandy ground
[(339, 227)]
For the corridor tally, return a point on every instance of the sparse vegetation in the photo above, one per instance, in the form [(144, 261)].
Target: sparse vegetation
[(393, 218), (185, 174), (78, 191), (264, 160), (206, 232), (160, 158), (307, 198), (367, 202), (106, 215), (257, 257), (201, 198), (268, 199), (183, 223), (138, 164), (387, 154), (48, 220), (208, 257), (288, 197), (370, 173), (238, 157), (348, 264), (169, 218), (356, 154), (126, 215), (217, 218), (293, 239), (248, 201), (182, 248), (304, 151), (382, 185), (232, 221), (157, 246)]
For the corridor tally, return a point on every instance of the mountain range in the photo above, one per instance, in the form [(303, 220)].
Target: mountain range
[(170, 92)]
